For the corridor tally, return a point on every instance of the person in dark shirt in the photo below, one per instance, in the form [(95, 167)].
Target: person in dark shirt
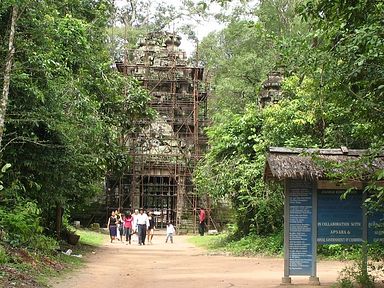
[(112, 226), (151, 227)]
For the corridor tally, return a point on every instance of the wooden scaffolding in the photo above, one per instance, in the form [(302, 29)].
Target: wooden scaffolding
[(165, 151)]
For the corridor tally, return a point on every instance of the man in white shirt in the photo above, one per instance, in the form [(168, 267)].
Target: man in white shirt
[(142, 225), (134, 224)]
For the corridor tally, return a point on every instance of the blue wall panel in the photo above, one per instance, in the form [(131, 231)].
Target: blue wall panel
[(339, 221)]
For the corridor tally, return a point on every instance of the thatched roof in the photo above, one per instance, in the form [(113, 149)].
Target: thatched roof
[(299, 163)]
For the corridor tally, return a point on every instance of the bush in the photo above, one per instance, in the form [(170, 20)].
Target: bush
[(339, 251), (43, 243), (355, 274), (256, 245), (3, 255), (22, 226), (21, 223)]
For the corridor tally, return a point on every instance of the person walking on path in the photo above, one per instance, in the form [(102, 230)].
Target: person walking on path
[(128, 223), (202, 217), (170, 232), (112, 226), (120, 225), (151, 228), (142, 225), (134, 224)]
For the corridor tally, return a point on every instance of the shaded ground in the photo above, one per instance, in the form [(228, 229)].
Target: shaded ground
[(166, 265), (24, 267)]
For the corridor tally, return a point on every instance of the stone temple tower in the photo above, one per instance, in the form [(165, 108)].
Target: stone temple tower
[(271, 89), (165, 151)]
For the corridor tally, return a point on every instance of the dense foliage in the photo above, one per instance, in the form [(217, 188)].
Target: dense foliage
[(66, 112), (331, 54), (67, 108)]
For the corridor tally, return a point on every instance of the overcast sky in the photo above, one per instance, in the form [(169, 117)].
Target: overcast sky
[(202, 29)]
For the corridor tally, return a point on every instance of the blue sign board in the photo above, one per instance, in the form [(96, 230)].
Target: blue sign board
[(339, 221), (376, 227), (300, 231)]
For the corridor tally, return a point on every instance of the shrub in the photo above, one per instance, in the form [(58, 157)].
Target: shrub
[(22, 222), (355, 274), (22, 226), (252, 244), (3, 255), (339, 251), (43, 243)]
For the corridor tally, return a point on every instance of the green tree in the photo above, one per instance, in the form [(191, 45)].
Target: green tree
[(67, 107), (352, 39), (332, 92), (239, 58), (233, 170)]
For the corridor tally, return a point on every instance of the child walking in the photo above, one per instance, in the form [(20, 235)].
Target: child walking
[(170, 231)]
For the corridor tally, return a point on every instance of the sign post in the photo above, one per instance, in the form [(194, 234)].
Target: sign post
[(314, 211), (299, 234)]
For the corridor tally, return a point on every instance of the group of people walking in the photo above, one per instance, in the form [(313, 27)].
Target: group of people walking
[(140, 223)]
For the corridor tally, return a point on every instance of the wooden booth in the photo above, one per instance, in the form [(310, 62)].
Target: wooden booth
[(314, 209)]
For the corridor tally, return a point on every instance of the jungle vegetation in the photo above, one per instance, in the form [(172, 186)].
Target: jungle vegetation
[(62, 108), (331, 55), (62, 112)]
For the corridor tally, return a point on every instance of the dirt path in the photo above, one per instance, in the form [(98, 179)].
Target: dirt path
[(182, 265)]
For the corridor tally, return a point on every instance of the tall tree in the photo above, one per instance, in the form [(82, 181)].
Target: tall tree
[(65, 105), (240, 57), (7, 69), (332, 92), (350, 38)]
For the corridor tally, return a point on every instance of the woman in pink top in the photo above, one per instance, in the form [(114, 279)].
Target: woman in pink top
[(128, 222), (202, 221)]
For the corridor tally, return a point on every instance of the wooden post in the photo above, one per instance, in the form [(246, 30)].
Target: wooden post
[(313, 279), (286, 279), (364, 248)]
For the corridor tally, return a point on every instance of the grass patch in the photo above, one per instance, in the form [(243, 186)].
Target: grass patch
[(88, 242), (209, 242), (246, 246), (272, 245), (91, 238)]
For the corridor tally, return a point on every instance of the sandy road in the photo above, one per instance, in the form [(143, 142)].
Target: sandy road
[(181, 265)]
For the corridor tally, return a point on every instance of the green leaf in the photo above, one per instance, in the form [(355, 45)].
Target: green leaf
[(5, 167), (380, 174)]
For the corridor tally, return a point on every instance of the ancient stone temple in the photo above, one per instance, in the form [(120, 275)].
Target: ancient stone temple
[(271, 89), (165, 151)]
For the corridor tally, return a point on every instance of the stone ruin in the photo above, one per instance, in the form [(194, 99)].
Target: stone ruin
[(166, 150)]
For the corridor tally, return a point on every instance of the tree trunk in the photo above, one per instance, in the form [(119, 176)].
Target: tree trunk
[(59, 220), (7, 71)]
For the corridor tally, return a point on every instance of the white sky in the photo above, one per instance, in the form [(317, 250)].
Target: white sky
[(202, 29)]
